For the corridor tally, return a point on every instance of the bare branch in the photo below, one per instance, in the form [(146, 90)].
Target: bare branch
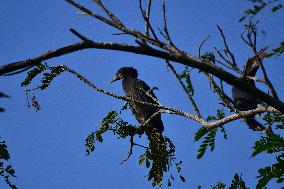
[(233, 62), (80, 36), (200, 46), (184, 89), (109, 13), (130, 150), (147, 21), (148, 13)]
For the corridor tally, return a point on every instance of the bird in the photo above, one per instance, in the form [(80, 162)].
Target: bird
[(244, 100), (138, 90)]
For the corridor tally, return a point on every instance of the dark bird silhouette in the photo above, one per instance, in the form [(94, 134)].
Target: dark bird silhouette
[(137, 89), (245, 101)]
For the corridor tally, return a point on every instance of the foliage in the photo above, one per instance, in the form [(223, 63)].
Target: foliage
[(33, 73), (276, 171), (278, 50), (237, 183), (49, 73), (209, 135), (186, 76), (3, 95), (158, 159), (6, 172), (220, 185), (47, 76), (260, 5), (271, 143)]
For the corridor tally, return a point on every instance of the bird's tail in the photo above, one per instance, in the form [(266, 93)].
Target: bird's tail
[(158, 151)]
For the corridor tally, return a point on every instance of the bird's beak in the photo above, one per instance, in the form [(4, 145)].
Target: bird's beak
[(117, 77)]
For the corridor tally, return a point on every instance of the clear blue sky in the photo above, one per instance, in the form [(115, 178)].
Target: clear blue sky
[(47, 147)]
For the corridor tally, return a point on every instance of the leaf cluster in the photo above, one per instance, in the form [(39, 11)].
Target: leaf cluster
[(6, 171), (237, 183), (272, 143), (209, 135), (260, 5), (111, 122), (47, 76), (185, 75), (160, 160), (3, 95), (49, 73)]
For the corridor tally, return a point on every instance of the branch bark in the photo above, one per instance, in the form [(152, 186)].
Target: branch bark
[(184, 59)]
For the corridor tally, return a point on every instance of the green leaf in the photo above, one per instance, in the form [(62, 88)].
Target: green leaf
[(209, 140), (9, 169), (238, 183), (182, 178), (48, 77), (259, 5), (200, 133), (186, 75), (276, 8), (224, 133), (4, 154), (90, 143), (220, 185), (3, 95), (274, 171), (33, 73), (147, 163), (271, 143)]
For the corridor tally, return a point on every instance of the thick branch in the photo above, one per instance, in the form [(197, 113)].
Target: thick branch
[(183, 59)]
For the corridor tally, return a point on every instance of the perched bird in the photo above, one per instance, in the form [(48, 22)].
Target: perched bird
[(245, 101), (137, 89)]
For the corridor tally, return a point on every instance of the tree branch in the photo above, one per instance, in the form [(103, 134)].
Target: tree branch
[(187, 60), (184, 89), (165, 109)]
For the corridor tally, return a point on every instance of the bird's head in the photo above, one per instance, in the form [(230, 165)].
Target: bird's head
[(125, 72)]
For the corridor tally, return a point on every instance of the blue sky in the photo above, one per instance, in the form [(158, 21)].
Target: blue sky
[(47, 147)]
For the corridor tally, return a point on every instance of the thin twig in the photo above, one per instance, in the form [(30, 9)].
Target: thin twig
[(148, 13), (147, 22), (184, 89), (227, 101), (109, 13), (80, 36), (200, 46), (130, 150), (233, 62)]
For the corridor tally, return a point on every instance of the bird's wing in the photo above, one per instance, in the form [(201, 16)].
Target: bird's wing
[(137, 90)]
